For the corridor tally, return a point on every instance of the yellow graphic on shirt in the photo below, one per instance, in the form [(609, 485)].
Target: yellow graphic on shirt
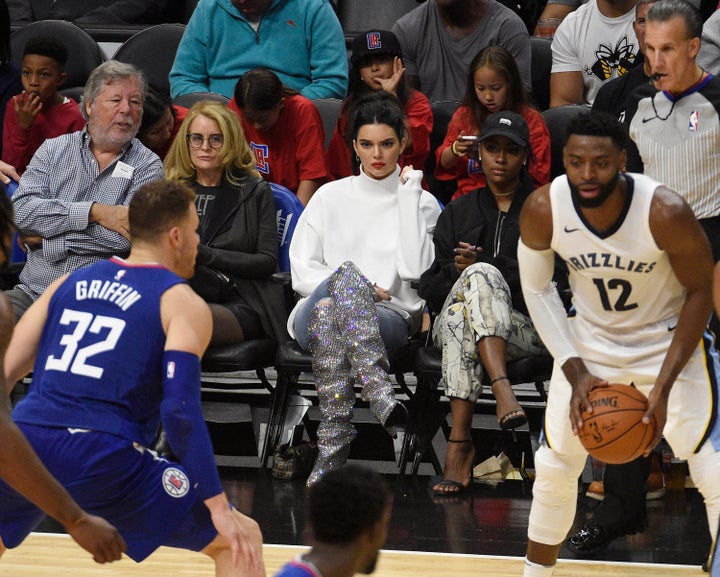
[(620, 58)]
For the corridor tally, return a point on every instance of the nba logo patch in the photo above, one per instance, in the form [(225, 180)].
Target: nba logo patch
[(175, 482), (694, 121), (374, 41), (171, 370)]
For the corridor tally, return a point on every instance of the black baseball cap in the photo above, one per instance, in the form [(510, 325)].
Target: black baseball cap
[(505, 123), (375, 43)]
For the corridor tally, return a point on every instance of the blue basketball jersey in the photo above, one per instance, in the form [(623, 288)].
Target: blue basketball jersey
[(99, 359)]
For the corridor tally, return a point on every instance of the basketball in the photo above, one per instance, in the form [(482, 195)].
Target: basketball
[(614, 432)]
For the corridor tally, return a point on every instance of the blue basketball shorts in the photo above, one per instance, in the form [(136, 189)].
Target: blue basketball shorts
[(149, 499)]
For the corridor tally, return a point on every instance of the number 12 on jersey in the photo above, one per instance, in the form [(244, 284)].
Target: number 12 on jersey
[(618, 288)]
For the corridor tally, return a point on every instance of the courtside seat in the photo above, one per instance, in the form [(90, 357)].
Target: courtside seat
[(291, 361), (221, 364), (427, 414)]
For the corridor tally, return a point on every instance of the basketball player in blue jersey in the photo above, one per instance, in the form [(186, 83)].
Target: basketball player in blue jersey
[(641, 277), (114, 348), (20, 466)]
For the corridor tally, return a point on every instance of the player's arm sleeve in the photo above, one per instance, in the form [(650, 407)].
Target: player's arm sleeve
[(183, 420), (543, 301)]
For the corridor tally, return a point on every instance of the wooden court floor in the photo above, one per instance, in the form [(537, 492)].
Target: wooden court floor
[(56, 555)]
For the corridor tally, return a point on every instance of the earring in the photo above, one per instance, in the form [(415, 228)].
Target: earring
[(357, 158)]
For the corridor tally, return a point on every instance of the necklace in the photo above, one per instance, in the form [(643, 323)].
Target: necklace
[(501, 194)]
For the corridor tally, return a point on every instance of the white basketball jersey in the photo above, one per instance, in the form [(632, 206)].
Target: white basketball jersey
[(619, 278)]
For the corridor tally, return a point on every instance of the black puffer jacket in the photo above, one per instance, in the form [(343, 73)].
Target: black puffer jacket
[(476, 219)]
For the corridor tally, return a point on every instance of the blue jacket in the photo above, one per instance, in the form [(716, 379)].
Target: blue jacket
[(300, 40)]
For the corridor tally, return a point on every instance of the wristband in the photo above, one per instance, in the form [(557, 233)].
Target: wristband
[(454, 150)]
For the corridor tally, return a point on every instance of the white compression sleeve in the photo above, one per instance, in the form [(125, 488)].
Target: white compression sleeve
[(543, 301)]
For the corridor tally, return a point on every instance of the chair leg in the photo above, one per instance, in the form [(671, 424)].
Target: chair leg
[(423, 425), (286, 381)]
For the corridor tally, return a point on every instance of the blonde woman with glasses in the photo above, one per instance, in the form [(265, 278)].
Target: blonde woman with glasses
[(238, 233)]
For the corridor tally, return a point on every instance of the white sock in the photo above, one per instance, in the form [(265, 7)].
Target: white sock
[(537, 570)]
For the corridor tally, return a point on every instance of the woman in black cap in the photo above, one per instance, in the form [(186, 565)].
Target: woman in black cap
[(474, 287), (377, 65)]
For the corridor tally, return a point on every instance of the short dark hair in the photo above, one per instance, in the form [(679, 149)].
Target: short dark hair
[(346, 502), (156, 102), (47, 46), (665, 10), (598, 124), (378, 107), (158, 206)]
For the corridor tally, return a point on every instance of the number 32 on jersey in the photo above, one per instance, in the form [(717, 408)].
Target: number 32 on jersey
[(74, 358)]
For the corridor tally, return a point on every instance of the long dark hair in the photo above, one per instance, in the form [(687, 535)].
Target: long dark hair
[(501, 61), (261, 89)]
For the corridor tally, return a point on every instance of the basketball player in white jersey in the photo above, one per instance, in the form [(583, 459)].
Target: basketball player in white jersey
[(641, 277)]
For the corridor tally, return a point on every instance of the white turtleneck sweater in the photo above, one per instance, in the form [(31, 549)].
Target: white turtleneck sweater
[(382, 226)]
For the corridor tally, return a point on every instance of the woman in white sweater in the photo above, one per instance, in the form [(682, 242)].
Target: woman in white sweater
[(356, 248)]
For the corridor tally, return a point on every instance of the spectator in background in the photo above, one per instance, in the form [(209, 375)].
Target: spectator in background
[(71, 206), (78, 11), (493, 84), (300, 40), (285, 132), (613, 95), (709, 56), (348, 513), (10, 83), (161, 121), (440, 37), (377, 65), (39, 112), (593, 44), (238, 232)]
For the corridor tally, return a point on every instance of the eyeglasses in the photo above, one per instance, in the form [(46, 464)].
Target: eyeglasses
[(196, 140)]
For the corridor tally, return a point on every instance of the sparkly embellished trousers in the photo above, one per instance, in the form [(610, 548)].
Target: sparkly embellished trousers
[(343, 333)]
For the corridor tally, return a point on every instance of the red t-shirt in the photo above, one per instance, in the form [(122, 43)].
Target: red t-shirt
[(294, 148), (468, 172), (420, 123), (19, 144)]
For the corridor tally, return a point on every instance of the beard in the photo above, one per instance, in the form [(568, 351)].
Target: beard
[(605, 191)]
